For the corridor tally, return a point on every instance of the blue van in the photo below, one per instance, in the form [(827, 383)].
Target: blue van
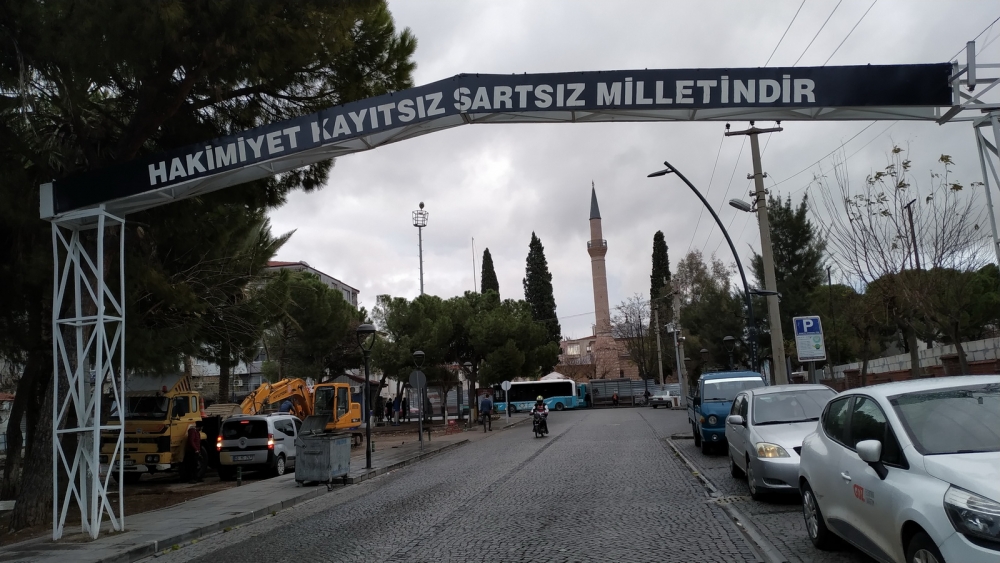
[(709, 407)]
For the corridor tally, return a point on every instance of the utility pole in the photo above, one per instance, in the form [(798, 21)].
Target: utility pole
[(913, 233), (767, 254), (420, 221), (679, 347), (659, 352)]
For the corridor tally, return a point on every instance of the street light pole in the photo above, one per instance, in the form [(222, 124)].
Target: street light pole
[(730, 344), (420, 221), (752, 326), (418, 361), (659, 353), (766, 252), (366, 340)]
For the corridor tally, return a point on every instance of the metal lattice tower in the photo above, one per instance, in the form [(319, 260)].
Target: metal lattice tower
[(88, 347)]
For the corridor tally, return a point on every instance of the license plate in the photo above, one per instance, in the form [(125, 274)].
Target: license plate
[(242, 458), (126, 463)]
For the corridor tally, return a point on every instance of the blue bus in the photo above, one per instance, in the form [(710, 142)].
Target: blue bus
[(558, 395)]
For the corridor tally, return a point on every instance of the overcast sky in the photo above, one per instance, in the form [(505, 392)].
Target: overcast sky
[(498, 183)]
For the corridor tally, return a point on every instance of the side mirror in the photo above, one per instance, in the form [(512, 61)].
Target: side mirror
[(735, 420), (696, 401), (870, 452)]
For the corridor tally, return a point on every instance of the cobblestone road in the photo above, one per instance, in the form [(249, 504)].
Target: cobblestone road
[(779, 519), (601, 487)]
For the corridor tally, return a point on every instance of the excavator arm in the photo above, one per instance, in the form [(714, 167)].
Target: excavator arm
[(269, 396)]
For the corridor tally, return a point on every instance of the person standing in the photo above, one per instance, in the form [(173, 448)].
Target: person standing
[(486, 411), (396, 405), (614, 399), (388, 410), (192, 455), (405, 405)]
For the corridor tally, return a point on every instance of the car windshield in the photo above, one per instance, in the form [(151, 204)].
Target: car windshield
[(146, 408), (790, 406), (727, 389), (950, 421)]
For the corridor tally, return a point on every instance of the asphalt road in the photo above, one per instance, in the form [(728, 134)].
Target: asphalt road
[(603, 486), (778, 519)]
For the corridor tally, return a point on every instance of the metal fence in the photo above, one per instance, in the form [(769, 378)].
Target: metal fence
[(631, 392)]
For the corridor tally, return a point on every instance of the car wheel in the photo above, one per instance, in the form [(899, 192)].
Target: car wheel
[(559, 406), (756, 493), (819, 534), (921, 549), (696, 435), (734, 469), (279, 466)]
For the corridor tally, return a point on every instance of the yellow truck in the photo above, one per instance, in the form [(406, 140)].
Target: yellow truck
[(158, 412)]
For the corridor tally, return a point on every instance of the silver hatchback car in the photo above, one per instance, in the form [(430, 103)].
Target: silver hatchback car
[(908, 471), (765, 429), (257, 442)]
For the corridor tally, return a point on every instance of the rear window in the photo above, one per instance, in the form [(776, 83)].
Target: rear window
[(236, 429), (727, 389)]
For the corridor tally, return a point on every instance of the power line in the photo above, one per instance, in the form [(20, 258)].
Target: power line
[(870, 141), (985, 29), (786, 31), (729, 226), (702, 211), (827, 154), (735, 166), (817, 33), (849, 33)]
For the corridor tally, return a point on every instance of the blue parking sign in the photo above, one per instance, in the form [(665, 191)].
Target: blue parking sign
[(809, 342)]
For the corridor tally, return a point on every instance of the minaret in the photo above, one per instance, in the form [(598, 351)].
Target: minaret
[(597, 247)]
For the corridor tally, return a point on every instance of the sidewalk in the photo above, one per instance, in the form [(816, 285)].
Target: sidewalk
[(151, 532)]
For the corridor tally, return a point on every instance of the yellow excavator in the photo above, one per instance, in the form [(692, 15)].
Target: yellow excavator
[(332, 399)]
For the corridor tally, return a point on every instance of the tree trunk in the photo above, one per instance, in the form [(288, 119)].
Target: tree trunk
[(224, 366), (911, 343), (865, 355), (963, 361), (34, 503)]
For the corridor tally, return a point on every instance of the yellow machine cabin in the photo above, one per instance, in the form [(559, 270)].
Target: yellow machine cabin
[(334, 399), (158, 412)]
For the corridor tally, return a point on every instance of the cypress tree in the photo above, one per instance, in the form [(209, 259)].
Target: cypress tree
[(538, 289), (659, 279), (489, 276)]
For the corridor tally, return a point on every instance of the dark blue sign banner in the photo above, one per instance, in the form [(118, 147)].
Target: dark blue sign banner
[(696, 89)]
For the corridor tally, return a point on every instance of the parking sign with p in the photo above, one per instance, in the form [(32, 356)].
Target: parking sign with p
[(809, 339)]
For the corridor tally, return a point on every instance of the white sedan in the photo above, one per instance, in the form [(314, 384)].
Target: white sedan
[(908, 471)]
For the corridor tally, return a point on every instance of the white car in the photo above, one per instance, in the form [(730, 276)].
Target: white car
[(263, 442), (908, 471)]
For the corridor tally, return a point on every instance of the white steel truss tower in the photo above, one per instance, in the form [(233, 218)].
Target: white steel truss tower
[(88, 348)]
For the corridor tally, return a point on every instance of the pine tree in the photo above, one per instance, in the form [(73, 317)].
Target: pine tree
[(798, 257), (489, 276), (538, 289), (239, 65), (659, 279)]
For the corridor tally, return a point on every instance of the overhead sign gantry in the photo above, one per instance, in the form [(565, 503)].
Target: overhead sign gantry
[(89, 312)]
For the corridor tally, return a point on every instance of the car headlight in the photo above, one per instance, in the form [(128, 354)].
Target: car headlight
[(713, 420), (972, 514), (765, 449)]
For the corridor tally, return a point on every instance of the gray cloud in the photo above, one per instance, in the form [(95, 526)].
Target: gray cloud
[(498, 183)]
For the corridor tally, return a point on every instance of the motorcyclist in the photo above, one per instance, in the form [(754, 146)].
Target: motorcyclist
[(542, 412)]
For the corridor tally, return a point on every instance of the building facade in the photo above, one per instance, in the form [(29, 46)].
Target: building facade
[(350, 294)]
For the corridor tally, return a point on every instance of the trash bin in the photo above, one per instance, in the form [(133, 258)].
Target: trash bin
[(321, 457)]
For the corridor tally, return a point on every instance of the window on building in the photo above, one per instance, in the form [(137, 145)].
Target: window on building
[(573, 350)]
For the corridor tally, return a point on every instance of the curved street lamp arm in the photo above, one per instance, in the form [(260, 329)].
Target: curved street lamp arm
[(752, 328)]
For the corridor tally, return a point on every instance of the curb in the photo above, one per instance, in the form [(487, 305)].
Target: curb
[(764, 549)]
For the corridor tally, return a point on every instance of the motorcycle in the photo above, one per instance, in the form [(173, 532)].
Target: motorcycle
[(539, 425)]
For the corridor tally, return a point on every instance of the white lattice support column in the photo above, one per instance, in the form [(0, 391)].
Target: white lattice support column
[(88, 348), (987, 156)]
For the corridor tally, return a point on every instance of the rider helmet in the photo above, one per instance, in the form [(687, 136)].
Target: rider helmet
[(539, 399)]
